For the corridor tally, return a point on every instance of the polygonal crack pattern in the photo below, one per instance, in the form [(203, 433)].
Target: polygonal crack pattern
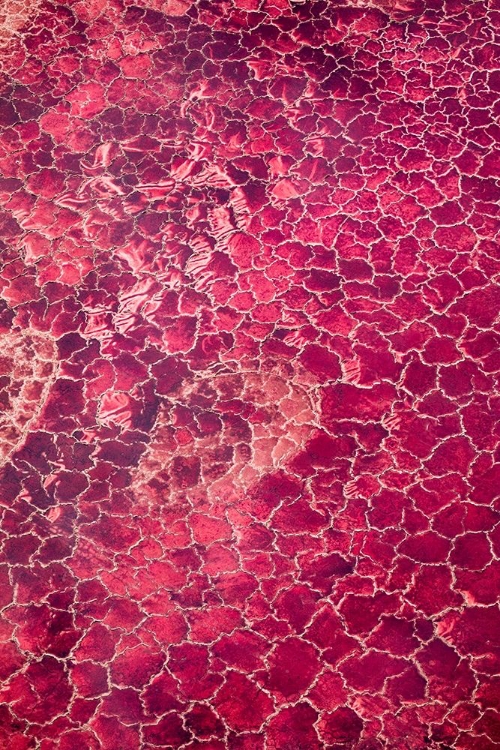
[(249, 374)]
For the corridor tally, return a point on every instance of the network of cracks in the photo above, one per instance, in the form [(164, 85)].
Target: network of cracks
[(249, 375)]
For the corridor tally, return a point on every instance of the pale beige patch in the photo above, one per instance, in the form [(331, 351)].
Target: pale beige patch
[(28, 367), (285, 416), (14, 14)]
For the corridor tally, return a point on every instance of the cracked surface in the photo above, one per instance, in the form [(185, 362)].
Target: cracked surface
[(249, 375)]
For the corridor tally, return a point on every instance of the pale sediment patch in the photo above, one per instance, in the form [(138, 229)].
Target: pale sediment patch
[(28, 367), (14, 14)]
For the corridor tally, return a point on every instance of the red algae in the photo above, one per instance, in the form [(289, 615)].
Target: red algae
[(248, 375)]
